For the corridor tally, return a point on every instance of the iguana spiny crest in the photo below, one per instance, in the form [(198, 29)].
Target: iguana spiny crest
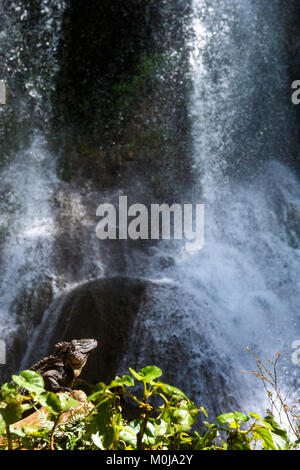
[(60, 370)]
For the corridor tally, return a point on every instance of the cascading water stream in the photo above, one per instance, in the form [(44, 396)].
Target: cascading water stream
[(248, 270), (242, 289), (27, 186), (28, 42)]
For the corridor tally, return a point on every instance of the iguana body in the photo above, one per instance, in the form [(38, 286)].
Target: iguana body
[(60, 370)]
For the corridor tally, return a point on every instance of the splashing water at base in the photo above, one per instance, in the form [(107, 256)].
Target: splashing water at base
[(247, 271)]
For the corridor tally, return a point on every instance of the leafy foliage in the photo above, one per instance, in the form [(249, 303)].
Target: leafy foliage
[(165, 419)]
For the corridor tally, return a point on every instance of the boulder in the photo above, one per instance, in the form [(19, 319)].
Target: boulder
[(138, 323)]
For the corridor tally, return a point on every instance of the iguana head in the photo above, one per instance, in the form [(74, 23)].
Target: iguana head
[(76, 353)]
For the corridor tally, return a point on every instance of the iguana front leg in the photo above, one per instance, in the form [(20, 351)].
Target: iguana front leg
[(52, 379)]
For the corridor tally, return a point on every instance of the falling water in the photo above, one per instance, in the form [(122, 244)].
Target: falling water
[(242, 131), (203, 308), (28, 42), (242, 289)]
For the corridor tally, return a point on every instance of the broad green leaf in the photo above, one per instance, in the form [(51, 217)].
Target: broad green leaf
[(169, 390), (179, 417), (8, 389), (161, 427), (265, 435), (208, 437), (50, 401), (109, 436), (280, 435), (147, 374), (33, 378), (184, 417), (11, 413), (256, 416), (30, 380), (128, 435), (101, 418), (26, 407), (231, 418), (126, 380), (67, 402)]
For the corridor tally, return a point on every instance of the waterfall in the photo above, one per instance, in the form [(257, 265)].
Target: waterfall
[(28, 42), (242, 289), (27, 186), (243, 137), (201, 309)]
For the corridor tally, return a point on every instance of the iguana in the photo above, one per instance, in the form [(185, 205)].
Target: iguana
[(60, 370)]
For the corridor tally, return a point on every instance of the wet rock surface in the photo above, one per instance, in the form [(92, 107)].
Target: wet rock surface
[(125, 316)]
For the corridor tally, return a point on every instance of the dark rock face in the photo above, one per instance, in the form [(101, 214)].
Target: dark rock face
[(120, 101), (28, 309), (104, 309), (125, 316)]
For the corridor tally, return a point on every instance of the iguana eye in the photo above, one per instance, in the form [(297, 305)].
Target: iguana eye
[(75, 360)]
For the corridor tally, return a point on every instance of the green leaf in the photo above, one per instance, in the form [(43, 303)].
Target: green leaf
[(50, 401), (8, 389), (67, 402), (33, 378), (169, 390), (238, 441), (2, 425), (280, 435), (99, 393), (17, 432), (129, 433), (126, 380), (161, 427), (232, 418), (101, 418), (11, 413), (184, 417), (256, 416), (30, 380), (265, 435), (96, 397), (147, 374), (110, 435), (179, 417), (208, 437), (26, 407)]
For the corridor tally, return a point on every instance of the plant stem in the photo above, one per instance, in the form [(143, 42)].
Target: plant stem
[(53, 432), (9, 438), (140, 435)]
